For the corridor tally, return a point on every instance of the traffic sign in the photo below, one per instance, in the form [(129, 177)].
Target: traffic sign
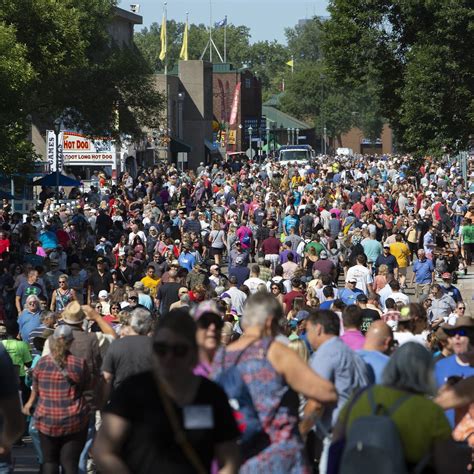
[(250, 153)]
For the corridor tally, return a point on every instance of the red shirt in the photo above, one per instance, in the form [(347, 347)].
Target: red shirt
[(290, 297), (5, 245), (358, 207), (271, 246)]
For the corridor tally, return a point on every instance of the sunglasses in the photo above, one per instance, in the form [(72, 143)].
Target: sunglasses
[(161, 349), (133, 298), (207, 319), (462, 307), (275, 288), (458, 332), (114, 307), (62, 281)]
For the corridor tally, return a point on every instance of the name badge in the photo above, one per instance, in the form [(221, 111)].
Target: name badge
[(198, 417)]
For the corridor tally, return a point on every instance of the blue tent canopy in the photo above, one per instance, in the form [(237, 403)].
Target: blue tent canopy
[(50, 180)]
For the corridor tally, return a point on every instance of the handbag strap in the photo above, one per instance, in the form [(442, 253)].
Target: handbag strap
[(179, 434), (63, 371)]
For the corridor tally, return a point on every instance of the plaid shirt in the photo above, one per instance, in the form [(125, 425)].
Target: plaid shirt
[(62, 408)]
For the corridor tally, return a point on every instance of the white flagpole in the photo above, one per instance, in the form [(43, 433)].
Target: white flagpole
[(225, 40), (210, 31)]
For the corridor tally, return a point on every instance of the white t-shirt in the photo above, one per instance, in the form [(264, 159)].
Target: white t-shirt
[(252, 284), (399, 297), (363, 276)]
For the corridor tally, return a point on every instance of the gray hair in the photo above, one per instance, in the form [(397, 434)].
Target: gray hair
[(48, 315), (258, 308), (32, 298), (141, 321), (411, 368)]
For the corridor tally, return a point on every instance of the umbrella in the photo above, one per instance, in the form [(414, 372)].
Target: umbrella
[(50, 180)]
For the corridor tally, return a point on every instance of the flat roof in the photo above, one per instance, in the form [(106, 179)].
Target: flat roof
[(128, 15)]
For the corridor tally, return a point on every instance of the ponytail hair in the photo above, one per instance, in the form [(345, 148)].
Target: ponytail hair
[(59, 350)]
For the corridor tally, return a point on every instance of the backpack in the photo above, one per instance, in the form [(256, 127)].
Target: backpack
[(231, 381), (246, 240), (373, 442)]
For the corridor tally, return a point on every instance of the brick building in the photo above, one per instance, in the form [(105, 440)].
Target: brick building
[(237, 105)]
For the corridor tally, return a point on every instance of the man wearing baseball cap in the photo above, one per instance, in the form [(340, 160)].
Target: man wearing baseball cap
[(461, 364)]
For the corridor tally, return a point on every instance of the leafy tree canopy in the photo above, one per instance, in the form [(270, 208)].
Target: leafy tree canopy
[(74, 70)]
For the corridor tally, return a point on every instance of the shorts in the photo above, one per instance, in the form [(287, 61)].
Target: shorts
[(216, 251)]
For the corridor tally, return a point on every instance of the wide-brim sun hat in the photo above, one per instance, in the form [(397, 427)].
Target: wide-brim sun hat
[(73, 313)]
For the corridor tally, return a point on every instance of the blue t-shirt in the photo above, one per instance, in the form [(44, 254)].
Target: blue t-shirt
[(348, 296), (291, 221), (48, 240), (448, 367), (376, 361), (27, 322), (453, 292), (187, 260), (423, 271), (336, 362)]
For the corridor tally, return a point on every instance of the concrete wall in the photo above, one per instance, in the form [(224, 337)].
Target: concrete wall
[(196, 83)]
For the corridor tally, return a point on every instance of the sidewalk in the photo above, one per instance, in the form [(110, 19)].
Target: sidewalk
[(24, 459)]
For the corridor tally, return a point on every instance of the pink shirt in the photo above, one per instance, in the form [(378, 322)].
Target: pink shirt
[(353, 338)]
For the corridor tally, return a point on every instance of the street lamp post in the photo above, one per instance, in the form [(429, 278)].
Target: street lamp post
[(57, 130), (267, 130), (250, 130), (325, 139), (289, 131), (181, 97), (297, 136)]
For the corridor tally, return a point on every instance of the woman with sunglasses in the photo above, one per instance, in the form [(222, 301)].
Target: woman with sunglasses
[(276, 290), (208, 335), (63, 295), (168, 419), (457, 313)]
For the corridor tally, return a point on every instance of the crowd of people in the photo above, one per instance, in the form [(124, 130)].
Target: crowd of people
[(242, 317)]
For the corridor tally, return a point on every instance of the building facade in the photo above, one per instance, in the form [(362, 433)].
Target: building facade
[(237, 106)]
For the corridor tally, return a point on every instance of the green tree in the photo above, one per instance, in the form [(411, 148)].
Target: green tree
[(416, 58), (76, 71), (304, 41), (16, 76), (268, 60)]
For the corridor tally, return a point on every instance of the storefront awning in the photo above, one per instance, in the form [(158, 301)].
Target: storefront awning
[(178, 146)]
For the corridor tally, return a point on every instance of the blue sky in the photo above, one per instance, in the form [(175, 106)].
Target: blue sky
[(267, 19)]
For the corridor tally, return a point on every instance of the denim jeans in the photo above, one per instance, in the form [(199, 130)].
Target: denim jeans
[(5, 467), (35, 439), (90, 439)]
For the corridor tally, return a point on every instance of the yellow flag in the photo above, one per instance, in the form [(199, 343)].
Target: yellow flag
[(184, 48), (290, 63), (163, 38)]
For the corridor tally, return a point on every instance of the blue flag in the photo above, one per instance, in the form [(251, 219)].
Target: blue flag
[(220, 24)]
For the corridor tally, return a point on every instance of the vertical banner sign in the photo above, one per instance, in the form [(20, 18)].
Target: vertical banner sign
[(51, 150), (235, 105)]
